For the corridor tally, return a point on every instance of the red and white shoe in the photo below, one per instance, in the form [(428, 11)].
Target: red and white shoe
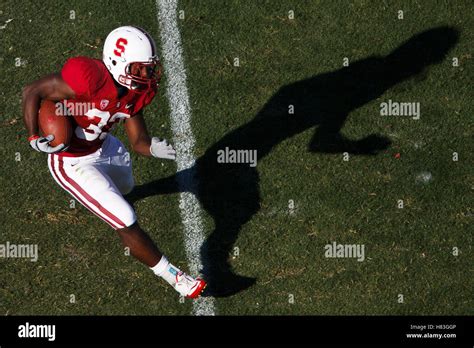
[(188, 286)]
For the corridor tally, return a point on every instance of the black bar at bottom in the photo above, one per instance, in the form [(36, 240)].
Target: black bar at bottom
[(411, 330)]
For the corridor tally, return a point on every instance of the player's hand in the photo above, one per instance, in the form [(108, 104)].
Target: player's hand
[(161, 149), (41, 144)]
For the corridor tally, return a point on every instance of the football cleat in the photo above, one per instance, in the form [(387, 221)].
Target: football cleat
[(188, 286)]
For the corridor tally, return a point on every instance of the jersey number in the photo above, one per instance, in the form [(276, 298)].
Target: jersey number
[(120, 44), (94, 131)]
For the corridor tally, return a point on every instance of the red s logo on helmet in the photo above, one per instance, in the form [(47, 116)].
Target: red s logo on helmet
[(120, 44)]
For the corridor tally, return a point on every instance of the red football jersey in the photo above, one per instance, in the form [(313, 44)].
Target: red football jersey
[(97, 107)]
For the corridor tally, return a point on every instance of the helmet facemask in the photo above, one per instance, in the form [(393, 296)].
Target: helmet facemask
[(141, 76)]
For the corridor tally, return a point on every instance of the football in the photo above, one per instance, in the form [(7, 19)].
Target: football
[(52, 120)]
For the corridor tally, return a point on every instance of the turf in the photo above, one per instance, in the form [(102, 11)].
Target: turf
[(282, 61)]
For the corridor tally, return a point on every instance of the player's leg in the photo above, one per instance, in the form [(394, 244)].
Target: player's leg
[(140, 245), (92, 188), (116, 163), (143, 249), (96, 191)]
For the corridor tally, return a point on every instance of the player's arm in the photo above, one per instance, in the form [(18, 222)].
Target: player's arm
[(50, 87), (141, 141), (137, 134)]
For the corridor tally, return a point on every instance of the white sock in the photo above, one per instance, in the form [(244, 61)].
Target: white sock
[(166, 270)]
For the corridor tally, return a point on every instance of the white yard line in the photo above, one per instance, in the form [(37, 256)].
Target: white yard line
[(183, 140)]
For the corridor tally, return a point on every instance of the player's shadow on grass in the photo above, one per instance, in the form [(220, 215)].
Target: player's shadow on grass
[(230, 192)]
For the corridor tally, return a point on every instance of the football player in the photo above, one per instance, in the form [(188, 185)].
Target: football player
[(95, 168)]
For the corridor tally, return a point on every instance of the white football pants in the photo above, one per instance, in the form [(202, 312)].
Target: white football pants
[(98, 181)]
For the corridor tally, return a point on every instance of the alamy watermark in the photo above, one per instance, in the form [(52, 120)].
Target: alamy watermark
[(335, 250), (393, 108), (67, 108), (27, 251), (28, 330), (237, 156)]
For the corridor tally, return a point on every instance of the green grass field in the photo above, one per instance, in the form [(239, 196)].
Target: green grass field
[(301, 196)]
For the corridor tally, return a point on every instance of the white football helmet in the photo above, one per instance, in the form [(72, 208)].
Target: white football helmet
[(130, 55)]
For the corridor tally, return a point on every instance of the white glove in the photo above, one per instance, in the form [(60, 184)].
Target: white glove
[(161, 149), (41, 144)]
